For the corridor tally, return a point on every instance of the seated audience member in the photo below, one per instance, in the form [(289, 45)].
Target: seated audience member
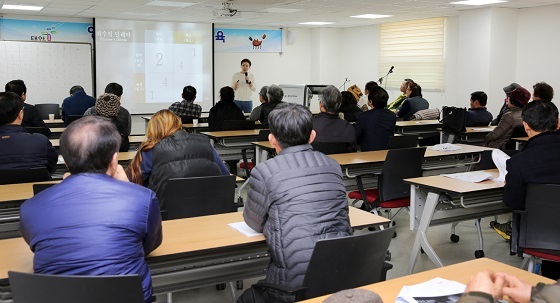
[(539, 162), (367, 89), (300, 184), (108, 106), (263, 97), (94, 222), (478, 115), (356, 92), (349, 108), (413, 103), (397, 103), (275, 95), (516, 99), (31, 117), (76, 104), (542, 91), (186, 109), (171, 152), (328, 126), (375, 127), (19, 149), (226, 109), (488, 287)]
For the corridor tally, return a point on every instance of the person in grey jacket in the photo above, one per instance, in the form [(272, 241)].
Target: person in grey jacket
[(295, 199)]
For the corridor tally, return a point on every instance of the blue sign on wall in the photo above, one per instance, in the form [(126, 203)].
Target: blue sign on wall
[(227, 40)]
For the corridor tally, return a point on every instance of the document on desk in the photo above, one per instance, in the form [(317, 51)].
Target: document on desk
[(434, 291), (472, 176), (482, 129), (445, 147), (243, 228), (500, 158)]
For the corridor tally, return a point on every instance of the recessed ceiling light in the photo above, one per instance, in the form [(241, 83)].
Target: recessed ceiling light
[(316, 23), (478, 2), (169, 3), (22, 7), (371, 16)]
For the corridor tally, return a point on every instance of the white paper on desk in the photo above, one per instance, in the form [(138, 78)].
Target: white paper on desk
[(243, 228), (436, 287), (500, 158), (483, 129), (445, 147), (472, 176)]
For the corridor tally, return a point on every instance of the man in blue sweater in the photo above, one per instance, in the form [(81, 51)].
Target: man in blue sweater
[(76, 104)]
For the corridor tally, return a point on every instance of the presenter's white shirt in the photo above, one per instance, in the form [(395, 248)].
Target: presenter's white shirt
[(244, 90)]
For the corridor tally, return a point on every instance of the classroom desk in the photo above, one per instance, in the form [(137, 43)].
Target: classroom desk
[(133, 140), (54, 123), (460, 201), (520, 142), (420, 127), (461, 272), (195, 252), (470, 135), (56, 132), (196, 128), (229, 144)]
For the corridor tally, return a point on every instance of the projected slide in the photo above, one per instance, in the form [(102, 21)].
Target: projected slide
[(153, 61)]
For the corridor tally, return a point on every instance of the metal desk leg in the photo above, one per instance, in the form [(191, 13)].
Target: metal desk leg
[(517, 145), (421, 240), (258, 151)]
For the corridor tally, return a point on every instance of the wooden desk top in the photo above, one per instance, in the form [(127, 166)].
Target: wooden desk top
[(457, 186), (199, 125), (522, 139), (263, 144), (21, 191), (417, 123), (380, 155), (57, 129), (480, 129), (55, 121), (131, 139), (122, 157), (179, 236), (232, 133), (461, 272)]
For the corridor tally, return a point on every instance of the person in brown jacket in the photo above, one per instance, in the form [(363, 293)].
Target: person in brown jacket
[(516, 98), (487, 287)]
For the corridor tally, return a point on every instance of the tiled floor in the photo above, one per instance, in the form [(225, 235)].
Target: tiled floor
[(494, 247)]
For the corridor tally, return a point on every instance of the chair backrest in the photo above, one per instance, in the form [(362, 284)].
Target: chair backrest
[(45, 109), (518, 132), (539, 227), (330, 148), (238, 125), (36, 130), (199, 196), (24, 175), (186, 119), (406, 141), (347, 262), (263, 135), (33, 288), (72, 118), (399, 164)]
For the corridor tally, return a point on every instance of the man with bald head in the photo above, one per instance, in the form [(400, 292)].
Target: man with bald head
[(94, 222)]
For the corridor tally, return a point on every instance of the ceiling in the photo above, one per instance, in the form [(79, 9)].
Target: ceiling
[(258, 13)]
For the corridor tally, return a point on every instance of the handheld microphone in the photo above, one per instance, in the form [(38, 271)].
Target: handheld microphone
[(246, 74)]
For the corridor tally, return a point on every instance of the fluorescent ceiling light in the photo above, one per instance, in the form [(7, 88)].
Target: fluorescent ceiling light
[(371, 16), (478, 2), (169, 3), (316, 23), (282, 10), (22, 7)]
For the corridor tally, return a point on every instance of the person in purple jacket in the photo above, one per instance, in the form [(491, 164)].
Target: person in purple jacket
[(94, 222)]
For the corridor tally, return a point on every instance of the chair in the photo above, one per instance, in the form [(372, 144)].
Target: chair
[(39, 187), (248, 166), (342, 263), (238, 125), (536, 230), (391, 191), (406, 141), (330, 148), (37, 130), (72, 118), (186, 119), (24, 175), (33, 288), (45, 109), (199, 196)]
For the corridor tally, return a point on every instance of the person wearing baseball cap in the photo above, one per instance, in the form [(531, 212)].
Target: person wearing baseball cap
[(516, 98)]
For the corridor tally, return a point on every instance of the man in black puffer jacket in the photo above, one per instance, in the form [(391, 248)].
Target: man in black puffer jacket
[(295, 198)]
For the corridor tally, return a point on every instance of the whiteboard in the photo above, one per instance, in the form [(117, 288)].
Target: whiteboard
[(49, 69)]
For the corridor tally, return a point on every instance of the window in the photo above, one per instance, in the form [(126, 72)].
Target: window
[(416, 50)]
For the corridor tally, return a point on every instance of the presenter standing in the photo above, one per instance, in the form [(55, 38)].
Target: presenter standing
[(243, 84)]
